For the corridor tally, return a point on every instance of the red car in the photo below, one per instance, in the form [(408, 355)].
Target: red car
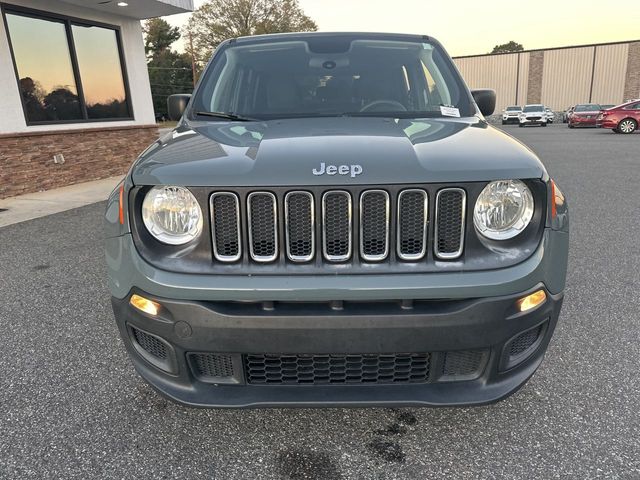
[(624, 118), (584, 115)]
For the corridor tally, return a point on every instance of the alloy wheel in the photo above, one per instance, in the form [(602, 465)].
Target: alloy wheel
[(627, 126)]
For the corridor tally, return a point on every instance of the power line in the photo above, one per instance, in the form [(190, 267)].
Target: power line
[(167, 68), (171, 85)]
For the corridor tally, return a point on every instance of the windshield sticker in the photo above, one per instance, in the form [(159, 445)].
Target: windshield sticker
[(449, 111)]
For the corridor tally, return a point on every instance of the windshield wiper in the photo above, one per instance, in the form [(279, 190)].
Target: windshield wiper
[(227, 116), (425, 114)]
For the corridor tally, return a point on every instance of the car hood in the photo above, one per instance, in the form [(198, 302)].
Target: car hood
[(286, 152)]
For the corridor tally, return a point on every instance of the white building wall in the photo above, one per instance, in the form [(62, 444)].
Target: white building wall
[(499, 72), (12, 119)]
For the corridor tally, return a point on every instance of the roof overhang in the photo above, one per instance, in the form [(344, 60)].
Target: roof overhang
[(139, 9)]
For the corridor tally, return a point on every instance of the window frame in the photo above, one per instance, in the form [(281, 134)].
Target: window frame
[(68, 22)]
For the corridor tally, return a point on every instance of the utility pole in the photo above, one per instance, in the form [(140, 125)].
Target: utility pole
[(193, 60)]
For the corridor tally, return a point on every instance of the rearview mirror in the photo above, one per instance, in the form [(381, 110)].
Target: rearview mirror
[(176, 105), (486, 100)]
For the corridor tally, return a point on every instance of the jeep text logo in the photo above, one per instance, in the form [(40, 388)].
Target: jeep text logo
[(353, 170)]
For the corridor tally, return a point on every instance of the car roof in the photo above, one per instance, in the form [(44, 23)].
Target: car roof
[(303, 35)]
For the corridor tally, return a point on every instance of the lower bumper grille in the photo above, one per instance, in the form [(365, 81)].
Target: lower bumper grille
[(336, 369)]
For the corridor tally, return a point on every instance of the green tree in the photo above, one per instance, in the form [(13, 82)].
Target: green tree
[(217, 20), (159, 35), (169, 71), (508, 47)]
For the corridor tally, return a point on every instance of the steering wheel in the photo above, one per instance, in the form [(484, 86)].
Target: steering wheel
[(371, 106)]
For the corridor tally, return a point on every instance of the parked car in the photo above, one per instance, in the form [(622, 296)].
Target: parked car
[(511, 114), (566, 113), (354, 233), (584, 115), (624, 118), (534, 114), (550, 115)]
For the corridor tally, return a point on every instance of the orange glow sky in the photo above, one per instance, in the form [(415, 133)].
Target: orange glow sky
[(49, 63), (467, 27)]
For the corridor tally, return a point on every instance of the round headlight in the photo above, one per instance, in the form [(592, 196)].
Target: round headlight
[(503, 209), (172, 215)]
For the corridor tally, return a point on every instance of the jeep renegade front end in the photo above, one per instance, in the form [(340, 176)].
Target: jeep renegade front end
[(333, 222)]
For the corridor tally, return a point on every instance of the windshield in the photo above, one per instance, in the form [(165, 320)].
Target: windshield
[(587, 108), (332, 75), (513, 109), (533, 108)]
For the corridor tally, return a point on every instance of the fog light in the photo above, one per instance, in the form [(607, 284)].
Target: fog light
[(531, 301), (144, 305)]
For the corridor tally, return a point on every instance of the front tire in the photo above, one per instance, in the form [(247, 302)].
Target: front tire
[(521, 125), (570, 126), (627, 126), (504, 122), (543, 125)]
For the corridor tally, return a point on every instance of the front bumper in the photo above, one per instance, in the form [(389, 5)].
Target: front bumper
[(606, 123), (468, 345), (533, 121), (453, 315)]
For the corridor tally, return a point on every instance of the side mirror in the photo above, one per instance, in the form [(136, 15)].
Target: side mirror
[(486, 100), (176, 105)]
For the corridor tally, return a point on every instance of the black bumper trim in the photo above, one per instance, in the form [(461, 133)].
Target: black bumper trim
[(436, 327)]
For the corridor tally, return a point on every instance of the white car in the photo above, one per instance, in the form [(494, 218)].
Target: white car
[(533, 115), (550, 115), (511, 114)]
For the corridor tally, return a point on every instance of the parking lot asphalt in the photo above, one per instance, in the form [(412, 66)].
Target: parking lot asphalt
[(71, 405)]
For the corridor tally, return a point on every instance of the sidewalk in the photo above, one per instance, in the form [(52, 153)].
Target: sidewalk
[(41, 204)]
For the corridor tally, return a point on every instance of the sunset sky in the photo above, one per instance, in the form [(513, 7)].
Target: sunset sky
[(467, 27)]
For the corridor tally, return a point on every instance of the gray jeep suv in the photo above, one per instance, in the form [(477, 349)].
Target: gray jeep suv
[(333, 222)]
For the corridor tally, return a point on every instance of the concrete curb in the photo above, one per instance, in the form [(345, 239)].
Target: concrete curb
[(40, 204)]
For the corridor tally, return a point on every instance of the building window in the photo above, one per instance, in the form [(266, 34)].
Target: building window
[(70, 71)]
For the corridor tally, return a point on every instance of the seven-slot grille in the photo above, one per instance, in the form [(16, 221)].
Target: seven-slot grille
[(382, 221)]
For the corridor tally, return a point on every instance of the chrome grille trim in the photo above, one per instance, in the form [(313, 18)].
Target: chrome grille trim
[(312, 221), (216, 254), (327, 256), (423, 251), (458, 253), (380, 257), (254, 256)]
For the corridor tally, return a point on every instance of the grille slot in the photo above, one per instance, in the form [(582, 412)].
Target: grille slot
[(337, 227), (336, 369), (413, 208), (374, 225), (150, 343), (225, 223), (524, 341), (263, 226), (450, 218), (211, 365), (300, 226), (463, 364)]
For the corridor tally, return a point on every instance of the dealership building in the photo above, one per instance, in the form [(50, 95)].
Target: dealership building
[(74, 90), (607, 73)]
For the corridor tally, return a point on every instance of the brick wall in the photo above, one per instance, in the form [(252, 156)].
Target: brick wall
[(632, 82), (26, 160), (536, 67)]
